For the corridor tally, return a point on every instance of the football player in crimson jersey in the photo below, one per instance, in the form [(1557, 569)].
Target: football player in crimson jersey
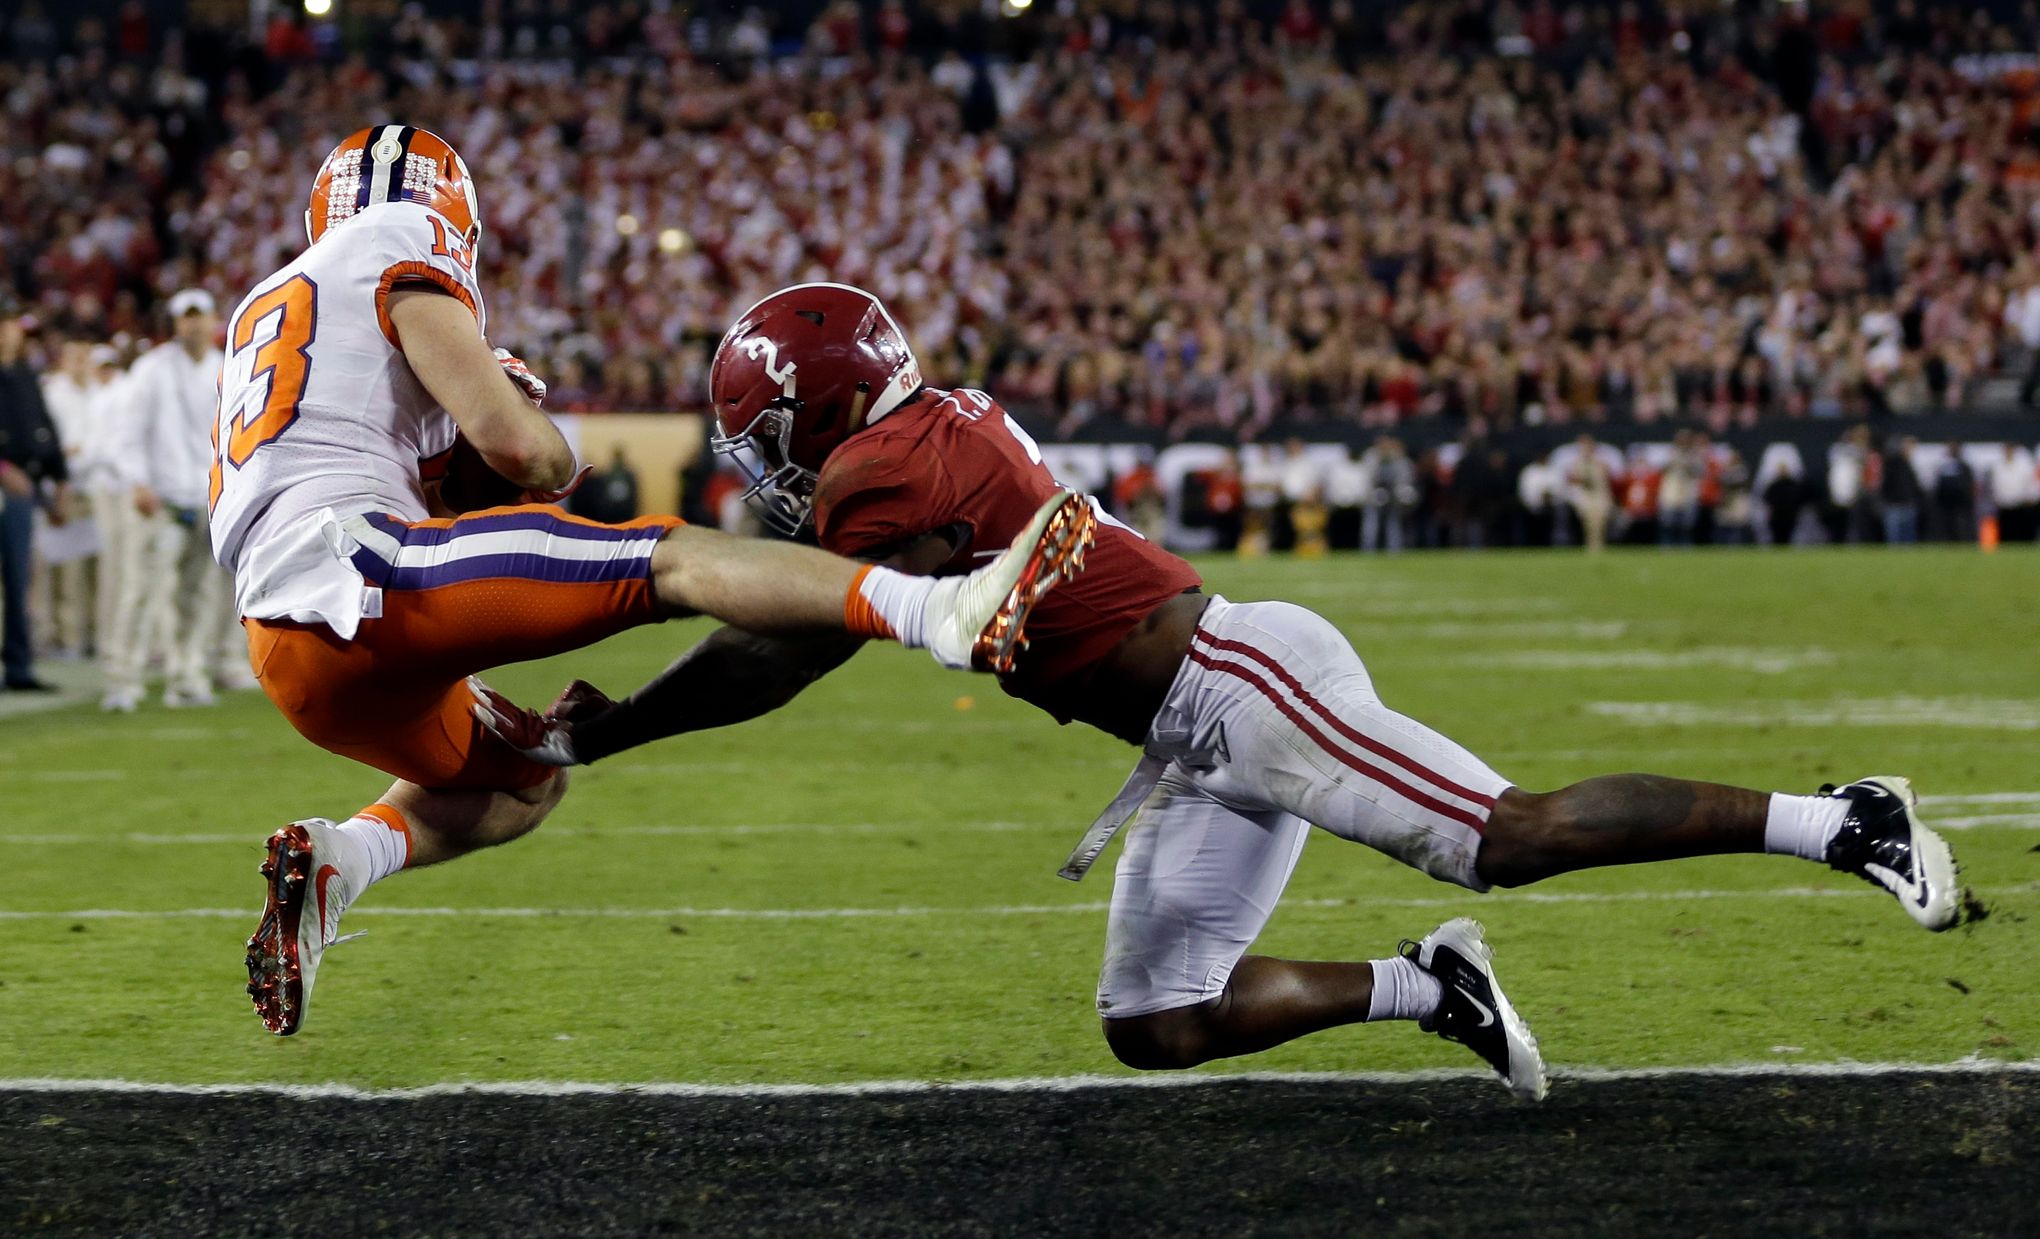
[(351, 375), (1254, 719)]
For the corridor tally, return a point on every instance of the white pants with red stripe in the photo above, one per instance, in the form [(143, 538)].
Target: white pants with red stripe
[(1271, 725)]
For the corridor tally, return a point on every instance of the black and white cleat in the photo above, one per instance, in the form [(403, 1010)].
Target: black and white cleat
[(1884, 842), (1475, 1012)]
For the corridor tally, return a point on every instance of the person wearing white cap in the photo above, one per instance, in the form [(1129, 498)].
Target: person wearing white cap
[(180, 602)]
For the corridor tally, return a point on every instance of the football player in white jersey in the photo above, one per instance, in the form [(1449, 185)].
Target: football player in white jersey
[(349, 374)]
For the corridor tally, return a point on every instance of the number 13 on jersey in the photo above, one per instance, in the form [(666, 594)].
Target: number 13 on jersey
[(286, 319)]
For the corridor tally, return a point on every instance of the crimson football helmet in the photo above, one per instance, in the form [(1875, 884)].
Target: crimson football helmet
[(800, 372), (393, 163)]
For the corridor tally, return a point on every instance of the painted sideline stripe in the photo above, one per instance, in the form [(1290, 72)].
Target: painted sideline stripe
[(1030, 1084), (1036, 909)]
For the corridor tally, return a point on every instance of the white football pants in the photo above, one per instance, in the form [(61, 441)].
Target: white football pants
[(177, 601), (1271, 724), (113, 511)]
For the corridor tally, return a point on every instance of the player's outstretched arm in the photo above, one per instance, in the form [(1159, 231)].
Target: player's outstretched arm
[(731, 677), (449, 356)]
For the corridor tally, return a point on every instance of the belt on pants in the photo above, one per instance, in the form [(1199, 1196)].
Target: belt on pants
[(1162, 750), (1116, 815)]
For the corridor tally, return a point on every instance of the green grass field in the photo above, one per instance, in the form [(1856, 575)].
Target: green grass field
[(863, 886)]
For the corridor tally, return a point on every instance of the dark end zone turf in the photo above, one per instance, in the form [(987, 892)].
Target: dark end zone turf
[(1898, 1154)]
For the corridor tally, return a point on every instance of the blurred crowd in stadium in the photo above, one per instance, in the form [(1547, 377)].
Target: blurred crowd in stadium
[(1163, 219), (1165, 213)]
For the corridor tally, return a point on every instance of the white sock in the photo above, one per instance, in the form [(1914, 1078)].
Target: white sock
[(375, 843), (1402, 991), (901, 601), (1803, 825)]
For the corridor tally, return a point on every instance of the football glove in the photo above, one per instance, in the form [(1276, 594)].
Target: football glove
[(531, 385)]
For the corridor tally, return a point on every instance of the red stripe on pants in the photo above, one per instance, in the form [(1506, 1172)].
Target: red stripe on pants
[(1465, 817), (1340, 725)]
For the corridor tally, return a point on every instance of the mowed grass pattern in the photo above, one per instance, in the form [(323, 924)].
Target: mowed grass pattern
[(938, 810)]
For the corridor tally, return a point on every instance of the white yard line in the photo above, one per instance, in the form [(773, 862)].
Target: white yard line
[(254, 839), (1997, 714), (1363, 608), (1032, 1084), (1109, 759), (1040, 909), (1758, 659), (2017, 821), (1416, 628), (2022, 821)]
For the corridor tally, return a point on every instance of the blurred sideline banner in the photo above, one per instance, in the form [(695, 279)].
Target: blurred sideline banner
[(659, 446)]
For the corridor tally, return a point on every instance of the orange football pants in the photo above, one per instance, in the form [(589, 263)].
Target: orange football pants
[(498, 586)]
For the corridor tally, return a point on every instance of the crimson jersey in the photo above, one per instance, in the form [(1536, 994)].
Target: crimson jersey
[(948, 461)]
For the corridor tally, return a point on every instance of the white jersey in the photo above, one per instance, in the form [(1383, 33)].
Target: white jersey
[(83, 413), (173, 400), (320, 417)]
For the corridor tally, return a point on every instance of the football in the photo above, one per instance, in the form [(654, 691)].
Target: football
[(470, 484)]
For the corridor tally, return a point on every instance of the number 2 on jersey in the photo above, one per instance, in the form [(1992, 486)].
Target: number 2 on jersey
[(285, 357)]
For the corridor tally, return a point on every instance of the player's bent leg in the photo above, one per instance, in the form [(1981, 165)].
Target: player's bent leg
[(315, 869), (1446, 983), (1195, 885), (446, 823), (377, 705), (1176, 933), (1266, 1002)]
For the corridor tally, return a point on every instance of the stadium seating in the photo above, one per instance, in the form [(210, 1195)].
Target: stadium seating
[(1175, 217)]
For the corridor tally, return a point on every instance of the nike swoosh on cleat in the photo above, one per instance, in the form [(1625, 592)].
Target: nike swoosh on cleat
[(1487, 1015), (326, 874), (1908, 890)]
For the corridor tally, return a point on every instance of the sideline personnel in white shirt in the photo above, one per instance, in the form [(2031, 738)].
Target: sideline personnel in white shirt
[(111, 490), (183, 597), (72, 393)]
